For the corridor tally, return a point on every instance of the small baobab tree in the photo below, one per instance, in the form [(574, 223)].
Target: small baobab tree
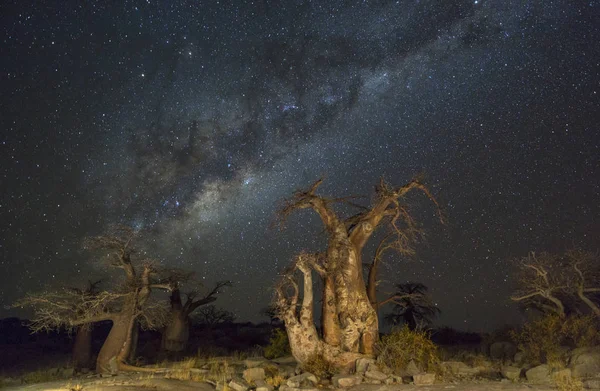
[(348, 318), (413, 306), (177, 331), (211, 315), (82, 347), (51, 308), (125, 305)]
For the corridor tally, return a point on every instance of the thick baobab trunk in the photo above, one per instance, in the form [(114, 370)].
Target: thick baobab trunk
[(304, 340), (177, 332), (358, 319), (117, 346), (135, 335), (82, 348), (329, 318)]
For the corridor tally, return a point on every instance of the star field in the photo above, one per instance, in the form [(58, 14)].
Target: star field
[(192, 120)]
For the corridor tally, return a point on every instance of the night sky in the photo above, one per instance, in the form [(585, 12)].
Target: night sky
[(192, 120)]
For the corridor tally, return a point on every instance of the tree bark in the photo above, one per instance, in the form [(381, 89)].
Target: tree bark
[(116, 344), (135, 335), (82, 348), (588, 302), (302, 334), (330, 324), (177, 332)]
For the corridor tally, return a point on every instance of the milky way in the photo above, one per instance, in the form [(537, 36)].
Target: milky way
[(193, 120)]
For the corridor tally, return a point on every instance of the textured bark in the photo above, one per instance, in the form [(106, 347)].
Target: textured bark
[(329, 317), (349, 319), (117, 345), (177, 333), (302, 334), (135, 338), (82, 348)]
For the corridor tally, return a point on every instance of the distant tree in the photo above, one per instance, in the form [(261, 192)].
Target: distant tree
[(82, 347), (125, 305), (177, 331), (389, 242), (272, 313), (350, 326), (557, 283), (210, 315), (584, 279), (413, 306), (541, 282)]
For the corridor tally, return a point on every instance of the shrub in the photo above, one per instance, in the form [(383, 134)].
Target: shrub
[(565, 382), (279, 345), (544, 340), (397, 349), (319, 366)]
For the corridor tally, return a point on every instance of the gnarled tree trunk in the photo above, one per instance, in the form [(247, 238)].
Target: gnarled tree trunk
[(302, 333), (349, 319), (117, 345)]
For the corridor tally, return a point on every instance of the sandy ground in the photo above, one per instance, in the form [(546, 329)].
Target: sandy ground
[(133, 383)]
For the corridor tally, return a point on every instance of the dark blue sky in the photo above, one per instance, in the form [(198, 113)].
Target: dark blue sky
[(193, 119)]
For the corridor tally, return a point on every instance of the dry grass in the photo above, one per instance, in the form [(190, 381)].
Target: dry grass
[(182, 370), (275, 381), (319, 366), (543, 340), (565, 382), (397, 349), (74, 387)]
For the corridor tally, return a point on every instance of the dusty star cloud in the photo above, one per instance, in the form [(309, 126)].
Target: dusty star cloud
[(193, 120)]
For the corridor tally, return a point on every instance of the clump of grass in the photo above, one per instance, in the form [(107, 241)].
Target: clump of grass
[(75, 387), (319, 366), (565, 382), (275, 381), (403, 345), (278, 346), (543, 340), (182, 370)]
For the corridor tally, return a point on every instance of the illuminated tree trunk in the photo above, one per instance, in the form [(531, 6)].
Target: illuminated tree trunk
[(330, 324), (116, 347), (349, 317), (302, 334)]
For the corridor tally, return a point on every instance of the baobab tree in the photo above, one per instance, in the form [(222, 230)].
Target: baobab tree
[(82, 347), (52, 307), (349, 321), (211, 315), (413, 306), (177, 331), (124, 306)]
